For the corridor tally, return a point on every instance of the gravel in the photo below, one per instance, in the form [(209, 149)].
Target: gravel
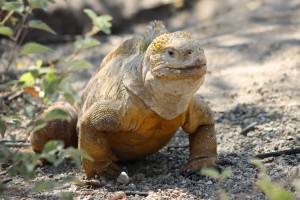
[(253, 78)]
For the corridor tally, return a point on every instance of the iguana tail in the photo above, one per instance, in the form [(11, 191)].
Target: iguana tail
[(57, 129)]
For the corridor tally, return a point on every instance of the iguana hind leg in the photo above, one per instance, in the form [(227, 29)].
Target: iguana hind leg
[(56, 129)]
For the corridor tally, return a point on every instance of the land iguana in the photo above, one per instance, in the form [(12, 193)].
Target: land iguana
[(143, 91)]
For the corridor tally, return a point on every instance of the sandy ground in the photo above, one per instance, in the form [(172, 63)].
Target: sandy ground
[(254, 76)]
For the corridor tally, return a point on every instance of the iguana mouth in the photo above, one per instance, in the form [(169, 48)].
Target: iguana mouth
[(176, 72), (188, 67)]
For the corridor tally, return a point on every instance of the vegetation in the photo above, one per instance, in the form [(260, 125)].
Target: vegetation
[(272, 190), (42, 83)]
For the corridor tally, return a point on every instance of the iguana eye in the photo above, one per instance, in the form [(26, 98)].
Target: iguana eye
[(171, 53), (189, 52)]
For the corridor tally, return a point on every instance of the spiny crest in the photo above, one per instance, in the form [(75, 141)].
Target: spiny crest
[(160, 42), (155, 29)]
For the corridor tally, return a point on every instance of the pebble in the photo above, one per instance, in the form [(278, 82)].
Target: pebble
[(295, 172), (123, 178), (208, 183)]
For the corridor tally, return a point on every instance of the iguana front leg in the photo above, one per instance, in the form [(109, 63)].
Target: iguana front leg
[(100, 119), (202, 139)]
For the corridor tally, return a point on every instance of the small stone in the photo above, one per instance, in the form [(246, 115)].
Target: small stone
[(295, 172), (123, 178), (208, 182)]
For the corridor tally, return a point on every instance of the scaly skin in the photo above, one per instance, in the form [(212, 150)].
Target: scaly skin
[(141, 94)]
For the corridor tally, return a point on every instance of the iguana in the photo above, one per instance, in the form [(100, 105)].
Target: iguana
[(143, 91)]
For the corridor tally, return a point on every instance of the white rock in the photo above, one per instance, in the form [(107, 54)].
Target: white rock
[(208, 182), (123, 178)]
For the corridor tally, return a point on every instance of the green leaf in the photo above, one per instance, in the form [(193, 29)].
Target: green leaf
[(15, 6), (2, 2), (38, 24), (53, 146), (210, 172), (85, 43), (90, 13), (69, 94), (23, 164), (64, 196), (100, 23), (51, 1), (72, 97), (29, 111), (259, 164), (51, 152), (27, 79), (226, 172), (36, 125), (2, 128), (57, 114), (2, 185), (78, 65), (5, 108), (5, 153), (51, 75), (44, 185), (33, 47), (104, 24), (76, 155), (273, 191), (51, 85), (5, 30), (224, 196), (39, 4)]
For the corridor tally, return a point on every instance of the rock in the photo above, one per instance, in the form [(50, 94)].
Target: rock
[(123, 178), (295, 172), (208, 183)]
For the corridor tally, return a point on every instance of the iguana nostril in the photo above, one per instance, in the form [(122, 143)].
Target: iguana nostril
[(201, 62), (189, 52)]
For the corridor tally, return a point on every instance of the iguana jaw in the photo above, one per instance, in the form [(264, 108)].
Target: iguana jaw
[(179, 72)]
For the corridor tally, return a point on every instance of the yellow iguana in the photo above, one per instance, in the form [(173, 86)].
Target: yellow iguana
[(141, 94)]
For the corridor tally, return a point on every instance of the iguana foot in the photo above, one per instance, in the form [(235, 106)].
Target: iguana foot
[(199, 163), (107, 169)]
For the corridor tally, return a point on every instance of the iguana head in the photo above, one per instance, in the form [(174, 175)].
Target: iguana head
[(171, 69), (175, 56)]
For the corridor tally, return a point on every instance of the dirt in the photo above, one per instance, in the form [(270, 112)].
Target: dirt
[(253, 51)]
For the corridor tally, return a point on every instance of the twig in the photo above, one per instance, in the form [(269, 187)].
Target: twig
[(14, 95), (7, 17), (30, 102), (248, 128), (3, 173), (144, 194), (17, 144), (7, 180), (278, 153), (63, 186), (17, 42), (5, 141)]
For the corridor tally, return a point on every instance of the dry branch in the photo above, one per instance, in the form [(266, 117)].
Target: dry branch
[(278, 153)]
